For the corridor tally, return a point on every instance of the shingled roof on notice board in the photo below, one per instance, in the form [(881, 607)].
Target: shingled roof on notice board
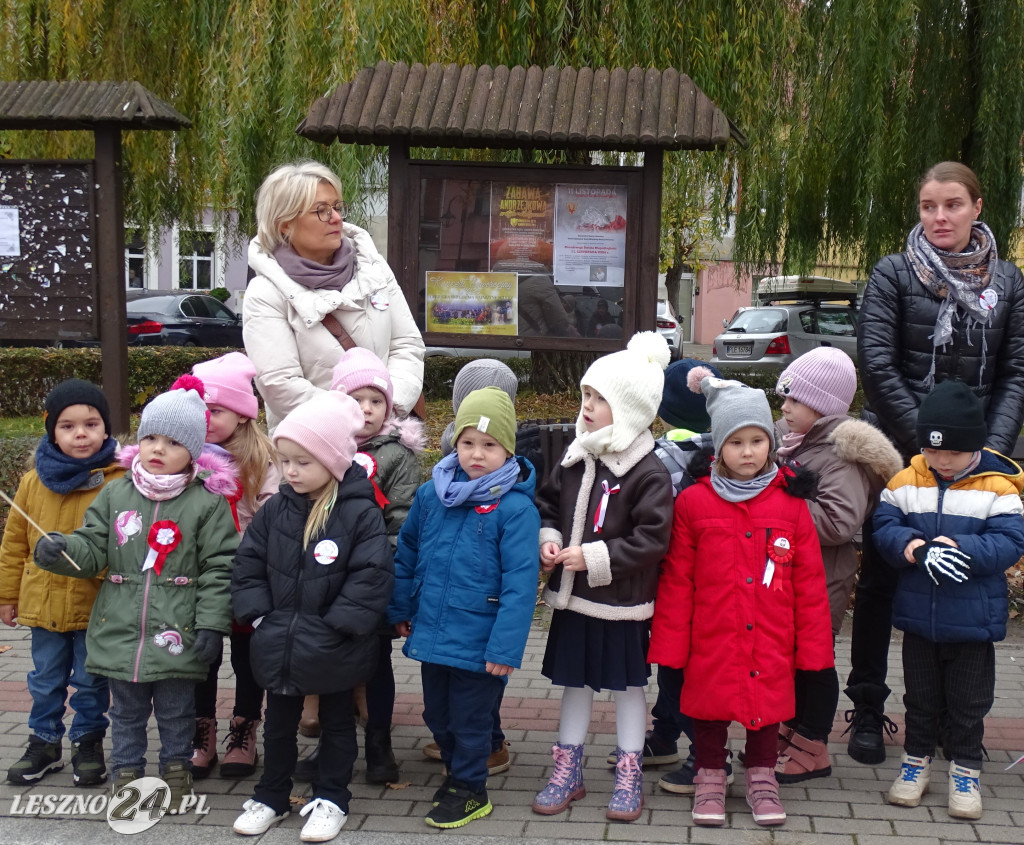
[(555, 108), (84, 105)]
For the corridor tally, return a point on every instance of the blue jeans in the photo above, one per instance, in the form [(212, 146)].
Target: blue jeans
[(59, 659), (173, 700), (458, 708)]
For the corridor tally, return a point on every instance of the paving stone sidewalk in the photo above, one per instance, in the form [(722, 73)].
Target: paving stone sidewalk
[(846, 809)]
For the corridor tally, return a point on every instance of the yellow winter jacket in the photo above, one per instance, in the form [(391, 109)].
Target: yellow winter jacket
[(46, 600)]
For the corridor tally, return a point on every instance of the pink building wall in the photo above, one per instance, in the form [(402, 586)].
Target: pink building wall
[(718, 298)]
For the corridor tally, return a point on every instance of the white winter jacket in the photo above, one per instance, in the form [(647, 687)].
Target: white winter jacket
[(294, 353)]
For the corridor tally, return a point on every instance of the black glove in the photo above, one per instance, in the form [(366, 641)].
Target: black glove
[(50, 549), (209, 645), (944, 560)]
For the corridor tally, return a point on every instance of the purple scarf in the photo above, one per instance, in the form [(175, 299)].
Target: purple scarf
[(316, 276)]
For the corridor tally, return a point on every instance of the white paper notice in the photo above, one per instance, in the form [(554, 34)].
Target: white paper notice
[(10, 237)]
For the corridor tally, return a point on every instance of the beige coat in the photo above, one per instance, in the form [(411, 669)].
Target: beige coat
[(294, 353), (854, 461)]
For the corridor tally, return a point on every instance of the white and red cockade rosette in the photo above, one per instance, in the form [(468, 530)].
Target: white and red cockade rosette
[(163, 539)]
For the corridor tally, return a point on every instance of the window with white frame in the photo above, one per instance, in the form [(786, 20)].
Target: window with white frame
[(136, 269), (197, 260)]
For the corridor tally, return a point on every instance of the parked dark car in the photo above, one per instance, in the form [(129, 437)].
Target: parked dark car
[(178, 318)]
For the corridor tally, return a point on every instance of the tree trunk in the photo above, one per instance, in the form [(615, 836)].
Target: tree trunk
[(558, 372)]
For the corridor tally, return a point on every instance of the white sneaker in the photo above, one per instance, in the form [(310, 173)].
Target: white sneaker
[(912, 781), (964, 792), (258, 818), (326, 819)]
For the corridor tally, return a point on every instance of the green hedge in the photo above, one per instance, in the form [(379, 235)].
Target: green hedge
[(30, 374)]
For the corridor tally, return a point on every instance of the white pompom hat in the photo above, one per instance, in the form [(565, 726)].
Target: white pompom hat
[(632, 381)]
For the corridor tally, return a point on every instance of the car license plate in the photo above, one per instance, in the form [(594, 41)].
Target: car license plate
[(739, 348)]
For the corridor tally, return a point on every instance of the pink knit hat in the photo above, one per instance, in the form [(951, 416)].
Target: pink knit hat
[(326, 427), (823, 379), (228, 381), (361, 368)]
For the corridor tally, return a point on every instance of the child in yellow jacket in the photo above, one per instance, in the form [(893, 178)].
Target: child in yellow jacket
[(74, 460)]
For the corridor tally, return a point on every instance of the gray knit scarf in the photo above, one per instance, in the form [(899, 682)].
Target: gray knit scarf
[(734, 490), (957, 279), (316, 276)]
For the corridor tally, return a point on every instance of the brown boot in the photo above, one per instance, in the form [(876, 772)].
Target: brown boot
[(803, 759), (309, 723), (240, 759), (204, 748)]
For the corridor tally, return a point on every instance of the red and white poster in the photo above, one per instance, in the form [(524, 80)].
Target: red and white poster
[(590, 235)]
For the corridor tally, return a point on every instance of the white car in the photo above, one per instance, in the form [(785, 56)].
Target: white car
[(669, 326)]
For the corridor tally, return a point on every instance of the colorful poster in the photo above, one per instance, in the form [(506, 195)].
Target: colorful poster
[(590, 235), (473, 303), (522, 220)]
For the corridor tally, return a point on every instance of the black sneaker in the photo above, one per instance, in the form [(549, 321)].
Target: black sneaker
[(866, 744), (458, 807), (87, 761), (39, 758), (681, 780), (657, 752), (442, 789)]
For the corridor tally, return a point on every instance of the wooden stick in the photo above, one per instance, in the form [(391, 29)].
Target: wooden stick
[(35, 525)]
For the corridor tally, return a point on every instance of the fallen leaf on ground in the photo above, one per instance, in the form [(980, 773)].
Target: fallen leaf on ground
[(4, 648), (399, 785), (296, 801)]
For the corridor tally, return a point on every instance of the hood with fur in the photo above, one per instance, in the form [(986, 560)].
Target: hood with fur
[(216, 472)]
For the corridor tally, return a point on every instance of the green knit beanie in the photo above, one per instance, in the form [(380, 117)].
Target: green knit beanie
[(489, 411)]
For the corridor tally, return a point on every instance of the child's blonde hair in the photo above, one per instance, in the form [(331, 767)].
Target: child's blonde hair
[(321, 512), (253, 454)]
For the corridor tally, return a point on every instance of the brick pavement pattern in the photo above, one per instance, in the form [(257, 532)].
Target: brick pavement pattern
[(846, 809)]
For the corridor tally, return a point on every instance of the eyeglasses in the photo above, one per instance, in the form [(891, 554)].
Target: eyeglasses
[(323, 210)]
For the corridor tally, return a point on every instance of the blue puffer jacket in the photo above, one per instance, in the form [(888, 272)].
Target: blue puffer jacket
[(467, 577), (982, 513)]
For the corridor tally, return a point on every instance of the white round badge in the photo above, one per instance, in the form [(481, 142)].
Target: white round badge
[(325, 552), (380, 301), (988, 299), (367, 462)]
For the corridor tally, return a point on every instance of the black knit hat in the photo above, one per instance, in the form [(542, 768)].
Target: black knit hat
[(74, 391), (951, 418)]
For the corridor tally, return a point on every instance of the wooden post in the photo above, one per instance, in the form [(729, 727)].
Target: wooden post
[(650, 241), (110, 293)]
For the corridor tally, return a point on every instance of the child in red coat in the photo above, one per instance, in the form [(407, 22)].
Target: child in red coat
[(741, 601)]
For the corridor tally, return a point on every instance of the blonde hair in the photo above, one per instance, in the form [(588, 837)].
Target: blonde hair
[(287, 192), (321, 512), (253, 453)]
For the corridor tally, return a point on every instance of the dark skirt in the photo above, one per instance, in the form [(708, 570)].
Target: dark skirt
[(598, 653)]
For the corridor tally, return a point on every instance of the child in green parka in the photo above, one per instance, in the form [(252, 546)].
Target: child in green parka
[(163, 537)]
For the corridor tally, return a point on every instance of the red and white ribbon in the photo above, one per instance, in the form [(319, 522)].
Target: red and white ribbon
[(163, 539), (367, 462), (602, 509)]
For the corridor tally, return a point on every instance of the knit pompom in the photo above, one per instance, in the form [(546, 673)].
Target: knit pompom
[(189, 382), (694, 377), (652, 346)]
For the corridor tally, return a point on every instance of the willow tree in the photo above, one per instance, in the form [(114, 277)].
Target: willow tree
[(844, 102)]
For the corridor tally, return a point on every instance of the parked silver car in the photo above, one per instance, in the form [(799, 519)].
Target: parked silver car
[(772, 336)]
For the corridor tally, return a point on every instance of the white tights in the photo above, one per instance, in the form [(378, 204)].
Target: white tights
[(630, 716)]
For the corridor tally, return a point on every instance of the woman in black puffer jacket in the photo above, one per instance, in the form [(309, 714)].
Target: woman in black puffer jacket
[(946, 308)]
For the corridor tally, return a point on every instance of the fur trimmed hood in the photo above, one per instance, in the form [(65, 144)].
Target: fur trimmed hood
[(409, 431), (860, 442), (217, 473)]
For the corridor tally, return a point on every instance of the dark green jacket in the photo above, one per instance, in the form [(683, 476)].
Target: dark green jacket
[(143, 625)]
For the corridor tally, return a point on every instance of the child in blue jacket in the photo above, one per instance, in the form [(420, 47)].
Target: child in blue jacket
[(951, 523), (465, 589)]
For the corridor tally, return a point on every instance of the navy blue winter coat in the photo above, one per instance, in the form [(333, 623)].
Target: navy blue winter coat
[(982, 514), (466, 577)]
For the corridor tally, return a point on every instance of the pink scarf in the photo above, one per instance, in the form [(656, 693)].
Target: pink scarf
[(790, 443), (160, 488)]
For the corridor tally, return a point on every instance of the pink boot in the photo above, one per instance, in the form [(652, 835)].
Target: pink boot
[(763, 796), (709, 797)]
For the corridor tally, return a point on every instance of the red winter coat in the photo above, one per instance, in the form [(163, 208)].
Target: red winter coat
[(739, 640)]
